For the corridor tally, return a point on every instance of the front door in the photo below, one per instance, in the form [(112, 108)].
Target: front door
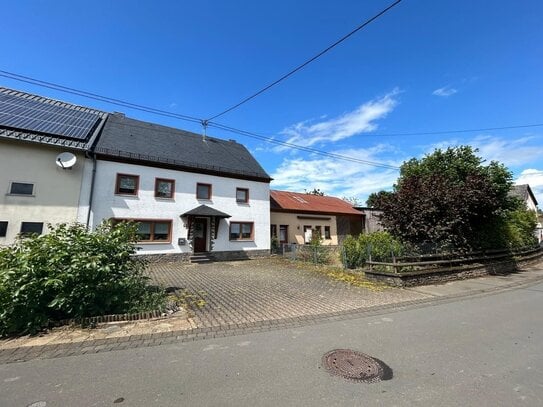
[(200, 235)]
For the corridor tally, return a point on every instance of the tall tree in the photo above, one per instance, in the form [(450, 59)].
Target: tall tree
[(316, 191), (448, 199)]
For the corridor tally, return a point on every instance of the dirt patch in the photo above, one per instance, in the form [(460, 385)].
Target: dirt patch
[(69, 334)]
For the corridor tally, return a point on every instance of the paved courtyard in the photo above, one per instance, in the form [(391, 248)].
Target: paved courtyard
[(249, 291)]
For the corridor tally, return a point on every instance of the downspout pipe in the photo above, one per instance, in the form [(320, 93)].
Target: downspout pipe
[(91, 194), (92, 154)]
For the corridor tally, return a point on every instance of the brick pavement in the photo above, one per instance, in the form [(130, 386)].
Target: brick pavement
[(267, 289), (248, 297)]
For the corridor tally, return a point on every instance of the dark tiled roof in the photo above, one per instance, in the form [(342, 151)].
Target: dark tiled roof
[(523, 192), (24, 127), (297, 202), (153, 144), (204, 210)]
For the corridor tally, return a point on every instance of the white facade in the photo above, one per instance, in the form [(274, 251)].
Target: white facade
[(107, 204), (55, 193)]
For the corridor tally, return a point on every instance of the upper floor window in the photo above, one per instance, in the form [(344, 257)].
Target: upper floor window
[(127, 184), (31, 227), (242, 195), (164, 188), (21, 188), (203, 191)]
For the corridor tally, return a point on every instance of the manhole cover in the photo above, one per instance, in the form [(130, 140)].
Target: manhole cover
[(353, 365)]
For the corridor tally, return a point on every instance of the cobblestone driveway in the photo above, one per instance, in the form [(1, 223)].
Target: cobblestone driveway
[(267, 289)]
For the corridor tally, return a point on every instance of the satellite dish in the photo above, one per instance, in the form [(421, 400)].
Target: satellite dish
[(66, 160)]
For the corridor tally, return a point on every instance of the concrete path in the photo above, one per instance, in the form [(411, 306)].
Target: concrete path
[(477, 350)]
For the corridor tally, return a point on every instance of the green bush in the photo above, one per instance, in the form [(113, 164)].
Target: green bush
[(314, 252), (521, 225), (380, 245), (72, 273)]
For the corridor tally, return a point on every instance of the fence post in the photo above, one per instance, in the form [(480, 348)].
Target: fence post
[(394, 261), (368, 247)]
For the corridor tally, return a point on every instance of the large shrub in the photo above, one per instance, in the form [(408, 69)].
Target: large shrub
[(449, 199), (381, 246), (71, 273)]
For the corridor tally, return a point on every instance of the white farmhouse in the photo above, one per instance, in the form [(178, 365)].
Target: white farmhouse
[(191, 195)]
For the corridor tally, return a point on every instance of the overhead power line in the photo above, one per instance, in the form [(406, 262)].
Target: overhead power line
[(293, 71), (435, 133), (160, 112), (302, 148), (241, 132), (113, 101)]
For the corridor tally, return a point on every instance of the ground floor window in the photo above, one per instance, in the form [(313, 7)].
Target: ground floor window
[(3, 228), (241, 230), (31, 227), (152, 230), (283, 233), (327, 234)]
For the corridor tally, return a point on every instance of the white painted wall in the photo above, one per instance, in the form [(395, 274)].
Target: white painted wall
[(56, 191), (145, 206)]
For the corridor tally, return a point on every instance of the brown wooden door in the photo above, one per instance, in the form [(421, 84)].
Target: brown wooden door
[(200, 235)]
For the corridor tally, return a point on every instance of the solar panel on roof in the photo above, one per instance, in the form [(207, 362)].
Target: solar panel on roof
[(33, 115)]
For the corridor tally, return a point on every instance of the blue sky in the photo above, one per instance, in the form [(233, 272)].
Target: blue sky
[(425, 66)]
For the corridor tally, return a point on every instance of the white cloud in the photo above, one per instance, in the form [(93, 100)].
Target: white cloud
[(360, 120), (445, 91), (534, 178), (338, 177), (511, 152)]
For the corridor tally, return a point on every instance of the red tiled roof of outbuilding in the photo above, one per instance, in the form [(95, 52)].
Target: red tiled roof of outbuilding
[(297, 202)]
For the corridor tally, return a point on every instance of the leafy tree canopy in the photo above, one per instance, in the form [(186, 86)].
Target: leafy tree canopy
[(315, 191), (448, 199), (353, 200)]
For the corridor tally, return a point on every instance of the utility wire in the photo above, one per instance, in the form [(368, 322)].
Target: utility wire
[(241, 132), (302, 148), (95, 96), (282, 78), (433, 133)]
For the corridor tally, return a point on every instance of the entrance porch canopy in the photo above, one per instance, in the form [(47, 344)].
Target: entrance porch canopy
[(205, 211)]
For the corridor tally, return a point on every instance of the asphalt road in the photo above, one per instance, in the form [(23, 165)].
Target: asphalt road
[(479, 351)]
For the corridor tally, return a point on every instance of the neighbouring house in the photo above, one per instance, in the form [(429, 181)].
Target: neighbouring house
[(372, 221), (43, 143), (525, 193), (297, 217), (190, 194)]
